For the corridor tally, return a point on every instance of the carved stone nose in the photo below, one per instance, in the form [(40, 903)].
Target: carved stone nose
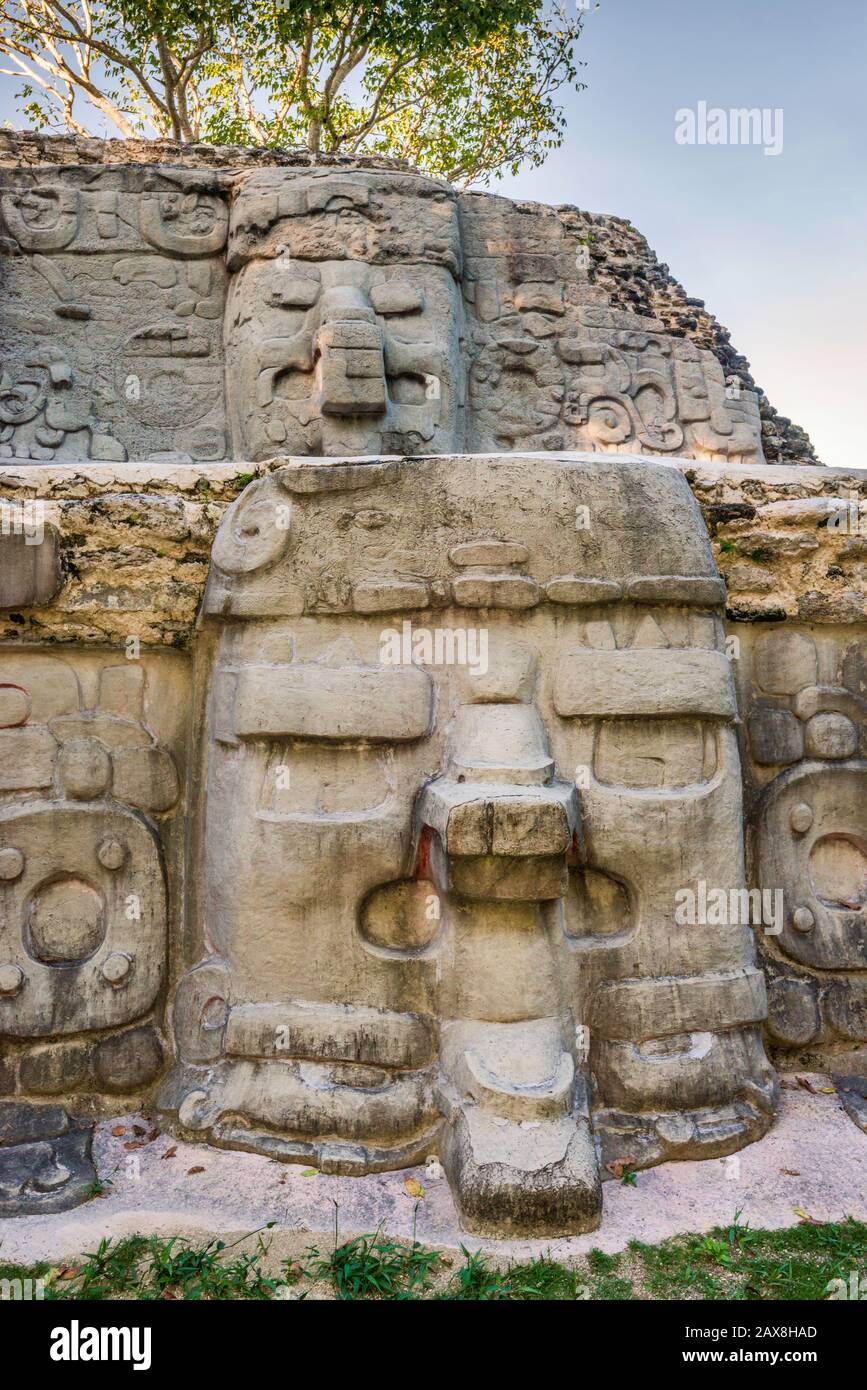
[(502, 825), (349, 347), (493, 843)]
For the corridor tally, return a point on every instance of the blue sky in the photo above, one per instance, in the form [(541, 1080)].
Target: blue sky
[(776, 246)]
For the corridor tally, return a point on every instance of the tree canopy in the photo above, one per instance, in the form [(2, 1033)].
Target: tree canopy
[(466, 90)]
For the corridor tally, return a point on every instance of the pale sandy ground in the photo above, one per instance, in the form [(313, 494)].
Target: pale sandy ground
[(825, 1153)]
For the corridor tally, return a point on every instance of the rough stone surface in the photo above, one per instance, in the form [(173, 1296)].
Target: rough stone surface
[(135, 538), (791, 543), (29, 572), (45, 1159), (852, 1091), (786, 1172), (366, 308)]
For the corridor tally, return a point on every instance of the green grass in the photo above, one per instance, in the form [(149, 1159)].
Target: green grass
[(732, 1263), (735, 1262), (148, 1268), (370, 1266), (98, 1188)]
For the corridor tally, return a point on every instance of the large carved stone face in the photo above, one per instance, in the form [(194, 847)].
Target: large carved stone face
[(343, 322), (457, 771), (338, 357)]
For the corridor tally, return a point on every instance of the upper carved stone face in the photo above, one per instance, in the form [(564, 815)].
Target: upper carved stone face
[(338, 357), (343, 324)]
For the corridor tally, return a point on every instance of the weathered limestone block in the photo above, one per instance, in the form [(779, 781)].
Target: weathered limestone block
[(29, 569), (790, 542), (45, 1159)]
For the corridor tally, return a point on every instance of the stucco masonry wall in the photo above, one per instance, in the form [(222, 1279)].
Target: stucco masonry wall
[(134, 542)]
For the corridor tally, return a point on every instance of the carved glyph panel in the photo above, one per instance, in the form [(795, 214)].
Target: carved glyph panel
[(112, 309)]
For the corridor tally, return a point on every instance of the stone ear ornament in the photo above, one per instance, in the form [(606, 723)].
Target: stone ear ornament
[(184, 223), (44, 217), (255, 530)]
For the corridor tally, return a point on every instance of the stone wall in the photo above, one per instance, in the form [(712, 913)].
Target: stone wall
[(426, 722), (110, 644), (134, 544), (618, 273)]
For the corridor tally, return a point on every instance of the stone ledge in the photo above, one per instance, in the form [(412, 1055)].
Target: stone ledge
[(230, 1193), (28, 148), (135, 541)]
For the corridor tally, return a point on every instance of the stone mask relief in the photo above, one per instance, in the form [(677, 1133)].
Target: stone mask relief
[(364, 312), (417, 909), (343, 327), (336, 357)]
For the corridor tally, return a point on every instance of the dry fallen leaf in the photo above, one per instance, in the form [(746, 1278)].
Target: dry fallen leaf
[(139, 1129), (806, 1217), (791, 1172), (170, 1153), (617, 1167), (135, 1144), (806, 1084), (412, 1187), (68, 1272), (118, 1130), (197, 1169)]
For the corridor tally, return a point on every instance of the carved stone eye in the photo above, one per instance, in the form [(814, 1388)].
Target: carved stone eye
[(407, 388), (293, 291), (397, 297)]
